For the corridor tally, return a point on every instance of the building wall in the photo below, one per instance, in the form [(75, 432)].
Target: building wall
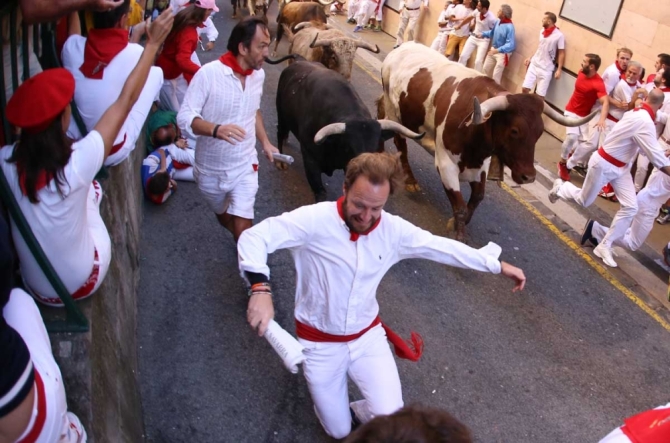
[(642, 27)]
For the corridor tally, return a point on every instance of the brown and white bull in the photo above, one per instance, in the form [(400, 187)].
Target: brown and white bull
[(425, 92), (298, 12), (318, 42)]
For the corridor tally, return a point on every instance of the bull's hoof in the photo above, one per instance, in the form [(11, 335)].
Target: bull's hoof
[(412, 187), (281, 166)]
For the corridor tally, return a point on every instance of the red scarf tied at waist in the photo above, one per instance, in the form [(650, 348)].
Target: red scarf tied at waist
[(102, 45), (229, 60), (409, 350), (548, 31)]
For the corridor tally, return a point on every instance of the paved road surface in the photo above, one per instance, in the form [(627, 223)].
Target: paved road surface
[(563, 361)]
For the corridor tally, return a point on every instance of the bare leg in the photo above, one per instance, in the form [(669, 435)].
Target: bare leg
[(236, 225)]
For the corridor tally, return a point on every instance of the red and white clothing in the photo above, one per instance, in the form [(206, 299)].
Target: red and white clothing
[(652, 426), (440, 42), (622, 92), (367, 10), (338, 273), (50, 421), (611, 76), (584, 99), (69, 227), (178, 67), (97, 89), (542, 64), (612, 165), (178, 163), (409, 15), (483, 23), (216, 95)]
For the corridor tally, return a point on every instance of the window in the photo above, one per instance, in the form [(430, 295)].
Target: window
[(599, 16)]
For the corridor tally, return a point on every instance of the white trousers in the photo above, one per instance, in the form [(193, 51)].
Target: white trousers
[(649, 201), (494, 65), (408, 21), (642, 169), (379, 14), (440, 42), (538, 79), (21, 313), (581, 141), (132, 127), (368, 361), (366, 10), (600, 173), (482, 47), (172, 93), (352, 8)]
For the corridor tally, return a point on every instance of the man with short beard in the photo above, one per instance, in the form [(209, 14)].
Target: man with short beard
[(547, 62), (222, 108), (582, 140), (617, 70), (662, 62), (342, 250)]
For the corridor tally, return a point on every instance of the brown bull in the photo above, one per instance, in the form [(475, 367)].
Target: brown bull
[(425, 92), (298, 12), (318, 42)]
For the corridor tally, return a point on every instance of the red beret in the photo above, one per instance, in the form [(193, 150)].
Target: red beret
[(40, 99)]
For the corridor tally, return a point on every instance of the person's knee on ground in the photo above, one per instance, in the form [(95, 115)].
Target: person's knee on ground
[(413, 423), (568, 145)]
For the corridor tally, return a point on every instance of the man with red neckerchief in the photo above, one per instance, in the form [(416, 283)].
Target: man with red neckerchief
[(548, 58), (612, 164), (342, 250), (222, 109), (614, 72), (100, 65)]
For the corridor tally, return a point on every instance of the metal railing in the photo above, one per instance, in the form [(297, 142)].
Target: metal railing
[(75, 320)]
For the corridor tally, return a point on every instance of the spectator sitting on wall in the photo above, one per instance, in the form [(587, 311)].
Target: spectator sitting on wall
[(100, 65), (52, 178), (32, 396), (175, 58)]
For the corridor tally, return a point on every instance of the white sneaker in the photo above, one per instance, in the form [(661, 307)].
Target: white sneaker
[(605, 254), (553, 194)]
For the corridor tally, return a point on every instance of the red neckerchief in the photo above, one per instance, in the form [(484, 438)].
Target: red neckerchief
[(102, 45), (547, 31), (647, 108), (42, 180), (354, 235), (482, 17), (229, 60), (664, 89), (505, 20), (618, 66), (649, 426)]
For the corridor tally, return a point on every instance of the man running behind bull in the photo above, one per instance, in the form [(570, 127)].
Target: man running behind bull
[(342, 250)]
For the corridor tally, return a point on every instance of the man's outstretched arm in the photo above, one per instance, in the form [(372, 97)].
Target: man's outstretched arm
[(42, 11)]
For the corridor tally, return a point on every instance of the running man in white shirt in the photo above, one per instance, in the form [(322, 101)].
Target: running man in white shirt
[(485, 20), (409, 15), (444, 27), (612, 164), (222, 108), (549, 56), (342, 250)]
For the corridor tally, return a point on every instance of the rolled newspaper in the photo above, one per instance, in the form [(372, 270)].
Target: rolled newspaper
[(288, 348), (283, 158)]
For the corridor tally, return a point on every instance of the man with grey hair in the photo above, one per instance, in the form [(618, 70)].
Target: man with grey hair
[(503, 43), (612, 164)]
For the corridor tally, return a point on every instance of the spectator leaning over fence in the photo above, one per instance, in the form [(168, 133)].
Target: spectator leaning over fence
[(175, 58), (222, 108), (100, 65), (548, 58), (33, 407), (503, 43), (484, 22), (52, 178)]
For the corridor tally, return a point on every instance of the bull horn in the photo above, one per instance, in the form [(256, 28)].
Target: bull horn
[(482, 112), (326, 2), (323, 42), (564, 120), (390, 125), (341, 1), (328, 130), (368, 46), (302, 25), (270, 61)]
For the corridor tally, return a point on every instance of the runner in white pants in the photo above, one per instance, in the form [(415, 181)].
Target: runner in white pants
[(411, 10), (444, 28), (612, 164), (485, 20)]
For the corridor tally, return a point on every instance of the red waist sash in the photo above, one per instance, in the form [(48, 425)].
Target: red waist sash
[(609, 158)]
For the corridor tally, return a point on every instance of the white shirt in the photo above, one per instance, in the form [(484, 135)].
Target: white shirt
[(60, 224), (444, 17), (636, 128), (216, 96), (611, 77), (337, 279), (95, 96), (462, 12), (622, 92), (547, 50), (484, 25), (413, 4)]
